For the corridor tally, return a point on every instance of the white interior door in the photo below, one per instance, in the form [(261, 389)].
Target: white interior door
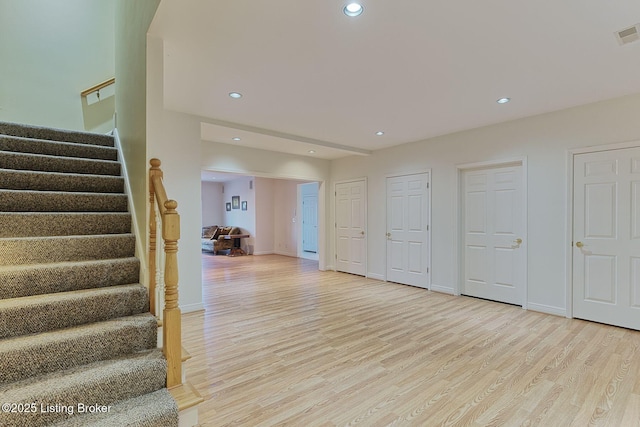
[(494, 231), (408, 253), (606, 235), (310, 223), (351, 239)]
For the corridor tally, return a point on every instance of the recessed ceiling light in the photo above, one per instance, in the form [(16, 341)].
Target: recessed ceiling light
[(352, 9), (379, 133), (503, 100), (235, 95), (235, 138), (312, 151)]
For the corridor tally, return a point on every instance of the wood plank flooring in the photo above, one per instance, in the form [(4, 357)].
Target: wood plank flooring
[(282, 344)]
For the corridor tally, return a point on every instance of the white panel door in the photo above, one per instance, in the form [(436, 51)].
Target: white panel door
[(494, 226), (606, 235), (310, 223), (351, 242), (408, 253)]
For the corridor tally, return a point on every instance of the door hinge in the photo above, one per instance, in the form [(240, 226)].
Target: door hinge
[(427, 228), (427, 269), (427, 185)]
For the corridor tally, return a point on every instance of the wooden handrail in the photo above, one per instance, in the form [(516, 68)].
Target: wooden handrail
[(97, 87), (161, 193), (171, 315)]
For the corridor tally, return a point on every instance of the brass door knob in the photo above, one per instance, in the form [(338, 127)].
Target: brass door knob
[(579, 244), (518, 241)]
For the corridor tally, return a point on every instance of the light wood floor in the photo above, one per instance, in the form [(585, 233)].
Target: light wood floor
[(281, 343)]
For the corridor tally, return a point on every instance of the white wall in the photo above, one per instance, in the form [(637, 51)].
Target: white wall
[(285, 224), (543, 140), (174, 138), (51, 51), (246, 220), (265, 234), (131, 25), (212, 203)]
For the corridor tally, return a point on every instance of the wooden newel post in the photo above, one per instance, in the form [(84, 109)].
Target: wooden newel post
[(172, 322), (153, 171)]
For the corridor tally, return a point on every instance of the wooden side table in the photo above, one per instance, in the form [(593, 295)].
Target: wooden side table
[(236, 250)]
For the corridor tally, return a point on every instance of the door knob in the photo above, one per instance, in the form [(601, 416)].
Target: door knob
[(388, 234), (579, 244), (362, 232), (518, 241)]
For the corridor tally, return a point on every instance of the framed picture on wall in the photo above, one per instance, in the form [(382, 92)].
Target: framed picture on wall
[(244, 205), (235, 202), (228, 206)]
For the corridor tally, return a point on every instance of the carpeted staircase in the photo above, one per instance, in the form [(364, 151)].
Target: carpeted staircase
[(77, 341)]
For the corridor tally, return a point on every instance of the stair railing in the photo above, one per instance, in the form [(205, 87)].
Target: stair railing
[(165, 302), (96, 88)]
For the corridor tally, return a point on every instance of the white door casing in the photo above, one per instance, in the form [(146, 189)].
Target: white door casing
[(606, 236), (493, 223), (351, 238), (408, 222)]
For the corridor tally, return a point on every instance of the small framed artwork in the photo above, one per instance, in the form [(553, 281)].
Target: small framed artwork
[(235, 202), (244, 205), (228, 206)]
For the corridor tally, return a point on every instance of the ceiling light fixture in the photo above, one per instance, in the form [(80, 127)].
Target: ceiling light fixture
[(312, 152), (352, 9), (235, 95), (503, 100), (379, 133), (235, 138)]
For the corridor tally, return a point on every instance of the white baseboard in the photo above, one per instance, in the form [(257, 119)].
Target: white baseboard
[(263, 253), (442, 289), (291, 254), (188, 417), (375, 276), (548, 309), (330, 267), (190, 308)]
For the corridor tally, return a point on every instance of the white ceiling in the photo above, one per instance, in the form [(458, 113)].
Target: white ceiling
[(314, 79)]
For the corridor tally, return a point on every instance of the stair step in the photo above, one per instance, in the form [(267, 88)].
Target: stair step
[(186, 396), (38, 279), (29, 131), (56, 201), (105, 383), (44, 163), (31, 224), (42, 313), (159, 411), (55, 148), (53, 181), (75, 327), (21, 357), (39, 250)]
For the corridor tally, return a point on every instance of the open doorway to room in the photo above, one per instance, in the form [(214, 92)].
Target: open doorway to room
[(280, 216)]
